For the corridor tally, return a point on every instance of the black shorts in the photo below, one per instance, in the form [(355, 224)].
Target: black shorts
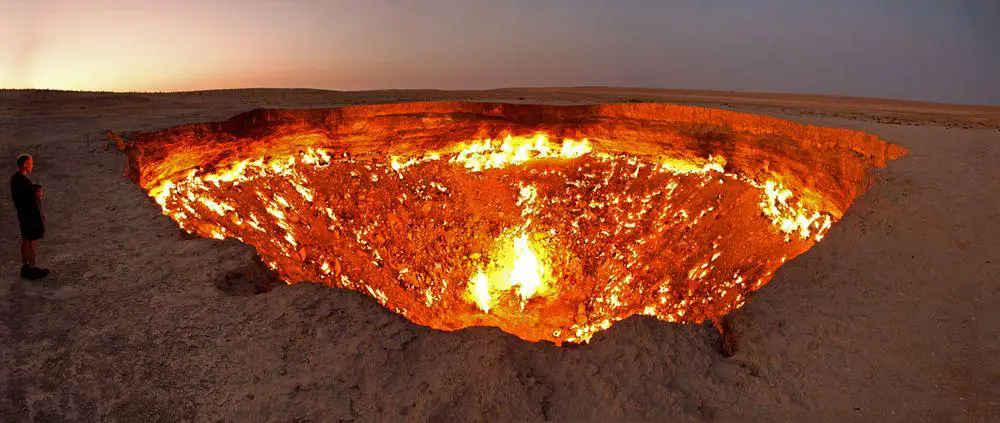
[(32, 228)]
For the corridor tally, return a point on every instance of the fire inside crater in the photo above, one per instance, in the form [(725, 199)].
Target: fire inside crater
[(550, 222)]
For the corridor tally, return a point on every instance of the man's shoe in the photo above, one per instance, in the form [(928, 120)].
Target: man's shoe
[(25, 272), (37, 273)]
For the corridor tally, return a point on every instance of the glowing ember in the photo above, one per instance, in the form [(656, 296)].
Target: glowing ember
[(459, 214), (515, 266)]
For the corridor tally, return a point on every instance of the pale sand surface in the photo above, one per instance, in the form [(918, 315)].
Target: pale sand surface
[(895, 316)]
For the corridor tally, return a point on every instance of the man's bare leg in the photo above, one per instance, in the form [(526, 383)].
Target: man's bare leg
[(28, 253), (31, 254), (28, 269)]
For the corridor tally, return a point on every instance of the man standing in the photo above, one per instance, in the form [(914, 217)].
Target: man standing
[(27, 200)]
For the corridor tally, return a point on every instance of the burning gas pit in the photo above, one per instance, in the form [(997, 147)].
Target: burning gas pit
[(550, 222)]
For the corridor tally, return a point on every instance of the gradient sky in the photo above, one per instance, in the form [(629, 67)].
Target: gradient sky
[(936, 50)]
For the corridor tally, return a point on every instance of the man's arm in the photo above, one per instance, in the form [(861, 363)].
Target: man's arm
[(20, 189), (26, 188)]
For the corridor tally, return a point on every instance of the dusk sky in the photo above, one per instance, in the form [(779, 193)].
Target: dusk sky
[(935, 50)]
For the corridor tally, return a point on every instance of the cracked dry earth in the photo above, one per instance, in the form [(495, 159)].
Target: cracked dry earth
[(893, 317)]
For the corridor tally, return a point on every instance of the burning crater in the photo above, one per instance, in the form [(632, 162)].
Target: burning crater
[(550, 222)]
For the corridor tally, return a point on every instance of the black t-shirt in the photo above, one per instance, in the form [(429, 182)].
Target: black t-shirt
[(22, 191)]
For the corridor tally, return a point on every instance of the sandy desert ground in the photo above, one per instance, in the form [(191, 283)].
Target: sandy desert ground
[(895, 316)]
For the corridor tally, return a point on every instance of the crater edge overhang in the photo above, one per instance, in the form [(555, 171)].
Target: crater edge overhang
[(673, 211)]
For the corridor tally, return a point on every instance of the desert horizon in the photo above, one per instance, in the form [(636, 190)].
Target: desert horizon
[(731, 94)]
